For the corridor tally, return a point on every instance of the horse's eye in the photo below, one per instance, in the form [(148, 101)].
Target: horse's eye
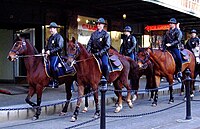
[(16, 45)]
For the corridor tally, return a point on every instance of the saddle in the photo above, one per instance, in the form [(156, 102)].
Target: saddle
[(184, 54), (114, 63), (63, 68)]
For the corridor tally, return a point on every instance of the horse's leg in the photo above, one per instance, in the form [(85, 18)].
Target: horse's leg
[(68, 97), (182, 88), (157, 82), (170, 79), (39, 90), (86, 91), (76, 112), (97, 112), (29, 96), (117, 87), (135, 87)]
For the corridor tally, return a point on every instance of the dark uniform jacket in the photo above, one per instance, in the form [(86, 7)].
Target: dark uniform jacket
[(173, 37), (55, 44), (99, 42), (128, 45), (192, 43)]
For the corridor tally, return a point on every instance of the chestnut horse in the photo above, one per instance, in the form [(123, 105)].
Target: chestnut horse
[(36, 75), (164, 66), (147, 70), (88, 73)]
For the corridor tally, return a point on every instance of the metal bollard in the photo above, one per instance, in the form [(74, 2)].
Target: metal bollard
[(103, 106), (187, 87)]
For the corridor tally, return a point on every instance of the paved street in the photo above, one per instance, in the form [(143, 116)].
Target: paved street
[(142, 116)]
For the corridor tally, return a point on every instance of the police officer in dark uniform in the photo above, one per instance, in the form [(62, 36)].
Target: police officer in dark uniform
[(171, 40), (128, 45), (193, 41), (54, 48), (99, 44)]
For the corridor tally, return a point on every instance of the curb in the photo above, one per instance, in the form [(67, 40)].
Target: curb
[(6, 115)]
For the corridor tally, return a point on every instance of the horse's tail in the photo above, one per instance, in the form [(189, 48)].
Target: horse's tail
[(134, 74)]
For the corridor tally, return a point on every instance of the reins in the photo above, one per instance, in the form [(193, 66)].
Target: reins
[(27, 56)]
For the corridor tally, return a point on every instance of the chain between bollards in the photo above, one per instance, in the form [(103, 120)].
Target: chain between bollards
[(188, 101), (103, 106)]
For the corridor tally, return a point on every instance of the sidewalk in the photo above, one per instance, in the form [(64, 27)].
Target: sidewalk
[(53, 97)]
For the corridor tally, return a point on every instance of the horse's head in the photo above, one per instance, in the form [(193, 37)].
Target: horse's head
[(19, 48), (73, 50), (143, 58)]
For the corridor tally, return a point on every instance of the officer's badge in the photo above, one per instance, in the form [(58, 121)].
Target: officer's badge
[(52, 41), (100, 39), (129, 40)]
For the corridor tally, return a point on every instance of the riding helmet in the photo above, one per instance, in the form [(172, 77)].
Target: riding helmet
[(101, 21), (193, 31), (53, 25), (127, 29), (172, 20)]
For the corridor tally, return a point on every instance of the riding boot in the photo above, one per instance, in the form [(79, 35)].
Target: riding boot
[(54, 82), (179, 75)]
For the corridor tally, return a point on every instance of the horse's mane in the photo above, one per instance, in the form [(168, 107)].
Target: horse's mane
[(83, 48)]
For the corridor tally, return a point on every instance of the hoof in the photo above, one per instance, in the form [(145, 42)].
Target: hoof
[(182, 93), (62, 113), (134, 98), (35, 117), (116, 104), (171, 102), (130, 104), (192, 95), (151, 99), (85, 109), (154, 104), (73, 119), (118, 109), (96, 115)]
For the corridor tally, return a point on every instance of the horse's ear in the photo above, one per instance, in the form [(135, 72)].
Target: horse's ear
[(73, 40)]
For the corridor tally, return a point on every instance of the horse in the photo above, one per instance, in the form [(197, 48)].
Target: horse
[(196, 52), (147, 70), (36, 75), (164, 66), (89, 73)]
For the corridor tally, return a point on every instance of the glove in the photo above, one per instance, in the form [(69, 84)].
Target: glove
[(129, 51), (168, 45), (97, 54)]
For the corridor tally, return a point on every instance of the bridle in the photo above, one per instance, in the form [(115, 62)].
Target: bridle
[(77, 52), (22, 47), (144, 61)]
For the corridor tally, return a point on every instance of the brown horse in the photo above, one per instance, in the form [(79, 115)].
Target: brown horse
[(164, 66), (36, 75), (147, 70), (88, 73)]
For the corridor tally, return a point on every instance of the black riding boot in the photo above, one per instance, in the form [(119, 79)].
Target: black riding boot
[(179, 75), (54, 82)]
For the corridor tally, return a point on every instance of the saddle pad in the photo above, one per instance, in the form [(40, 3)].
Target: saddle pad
[(115, 60)]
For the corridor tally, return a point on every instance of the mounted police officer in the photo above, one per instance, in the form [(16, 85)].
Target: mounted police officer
[(53, 49), (99, 44), (193, 41), (171, 40), (128, 45)]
